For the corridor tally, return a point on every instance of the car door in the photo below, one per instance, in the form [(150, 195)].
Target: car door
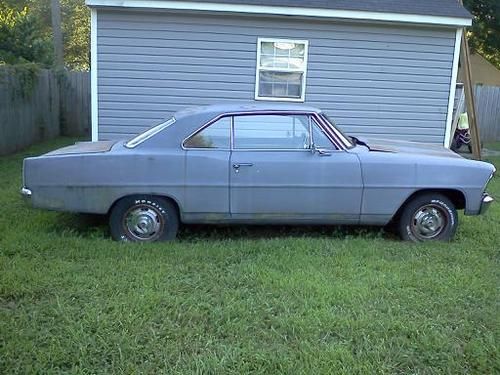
[(206, 185), (275, 176)]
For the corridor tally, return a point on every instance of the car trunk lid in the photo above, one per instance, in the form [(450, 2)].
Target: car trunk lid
[(84, 148)]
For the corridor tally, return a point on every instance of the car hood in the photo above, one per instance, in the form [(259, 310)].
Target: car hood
[(83, 148), (407, 147)]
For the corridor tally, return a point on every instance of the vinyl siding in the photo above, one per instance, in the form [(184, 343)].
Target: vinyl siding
[(373, 79)]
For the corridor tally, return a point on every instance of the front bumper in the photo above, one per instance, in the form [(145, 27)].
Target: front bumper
[(485, 203)]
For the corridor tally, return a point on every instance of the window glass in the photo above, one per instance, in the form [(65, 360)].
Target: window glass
[(215, 136), (280, 84), (320, 139), (281, 69), (271, 132), (286, 55)]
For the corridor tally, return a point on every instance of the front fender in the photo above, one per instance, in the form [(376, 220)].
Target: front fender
[(390, 179)]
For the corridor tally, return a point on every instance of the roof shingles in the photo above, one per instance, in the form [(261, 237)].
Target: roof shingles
[(445, 8)]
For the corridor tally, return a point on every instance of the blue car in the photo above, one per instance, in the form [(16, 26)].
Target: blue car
[(258, 164)]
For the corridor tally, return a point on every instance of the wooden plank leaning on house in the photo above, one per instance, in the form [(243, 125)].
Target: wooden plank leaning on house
[(459, 108), (469, 98)]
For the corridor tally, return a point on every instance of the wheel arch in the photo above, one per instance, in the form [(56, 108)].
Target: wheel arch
[(456, 196), (163, 196)]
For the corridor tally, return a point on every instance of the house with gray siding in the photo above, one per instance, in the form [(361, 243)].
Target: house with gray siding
[(380, 68)]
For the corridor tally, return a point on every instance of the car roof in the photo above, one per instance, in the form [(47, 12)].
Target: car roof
[(220, 109)]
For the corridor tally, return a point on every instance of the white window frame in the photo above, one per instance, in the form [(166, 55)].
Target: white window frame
[(258, 69)]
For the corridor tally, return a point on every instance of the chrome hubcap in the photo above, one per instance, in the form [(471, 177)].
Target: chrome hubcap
[(428, 222), (143, 223)]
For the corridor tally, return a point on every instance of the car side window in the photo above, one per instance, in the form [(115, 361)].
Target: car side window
[(215, 136), (320, 139), (271, 132)]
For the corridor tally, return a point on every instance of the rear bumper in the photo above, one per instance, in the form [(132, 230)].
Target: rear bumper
[(485, 203)]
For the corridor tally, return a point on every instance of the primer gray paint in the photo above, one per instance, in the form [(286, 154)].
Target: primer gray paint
[(355, 185), (373, 79)]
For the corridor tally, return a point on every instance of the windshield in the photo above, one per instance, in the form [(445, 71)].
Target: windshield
[(149, 133), (344, 138)]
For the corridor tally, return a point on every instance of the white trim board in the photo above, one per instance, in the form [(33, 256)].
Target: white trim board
[(258, 69), (93, 75), (451, 98), (282, 10)]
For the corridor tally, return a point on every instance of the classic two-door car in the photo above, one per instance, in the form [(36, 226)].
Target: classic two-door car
[(258, 164)]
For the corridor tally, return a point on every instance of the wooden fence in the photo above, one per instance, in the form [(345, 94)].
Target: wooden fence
[(487, 100), (75, 104), (59, 104), (488, 112), (27, 115), (53, 105)]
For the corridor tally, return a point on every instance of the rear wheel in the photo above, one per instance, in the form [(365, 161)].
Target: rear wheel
[(428, 217), (143, 219)]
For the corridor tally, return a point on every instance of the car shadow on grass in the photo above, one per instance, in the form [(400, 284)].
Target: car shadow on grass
[(224, 232), (96, 226)]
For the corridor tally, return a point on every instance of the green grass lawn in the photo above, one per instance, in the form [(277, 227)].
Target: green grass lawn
[(242, 299), (492, 146)]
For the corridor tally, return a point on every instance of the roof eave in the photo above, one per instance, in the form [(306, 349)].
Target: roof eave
[(284, 11)]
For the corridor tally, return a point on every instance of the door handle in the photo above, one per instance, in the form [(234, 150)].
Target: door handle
[(238, 165)]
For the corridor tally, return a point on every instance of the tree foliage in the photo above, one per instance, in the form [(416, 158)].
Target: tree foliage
[(75, 23), (21, 37), (484, 35), (26, 32), (76, 33)]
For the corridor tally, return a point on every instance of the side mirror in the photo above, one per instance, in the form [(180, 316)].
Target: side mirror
[(320, 151)]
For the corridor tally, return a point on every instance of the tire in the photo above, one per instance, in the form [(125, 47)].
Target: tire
[(428, 217), (143, 219)]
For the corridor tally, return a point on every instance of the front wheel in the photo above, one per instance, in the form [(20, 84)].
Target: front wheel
[(143, 219), (428, 217)]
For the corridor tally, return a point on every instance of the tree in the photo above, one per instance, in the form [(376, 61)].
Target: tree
[(57, 39), (20, 16), (75, 16), (484, 35), (28, 22), (76, 34), (21, 37)]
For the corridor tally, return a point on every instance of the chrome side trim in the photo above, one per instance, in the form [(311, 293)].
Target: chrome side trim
[(485, 203), (339, 136), (330, 131), (137, 140), (205, 125), (231, 133), (273, 149)]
